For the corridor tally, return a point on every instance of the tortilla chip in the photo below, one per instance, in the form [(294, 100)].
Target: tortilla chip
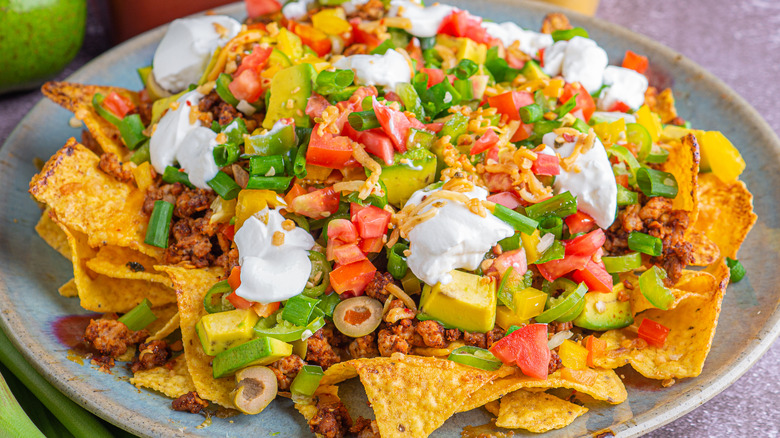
[(165, 314), (52, 234), (683, 163), (173, 382), (338, 373), (69, 289), (437, 352), (691, 327), (493, 407), (690, 283), (78, 99), (118, 262), (412, 396), (89, 201), (324, 396), (726, 213), (705, 251), (170, 326), (191, 286), (100, 293), (537, 412)]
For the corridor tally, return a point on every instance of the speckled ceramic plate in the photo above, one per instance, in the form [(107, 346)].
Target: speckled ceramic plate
[(31, 272)]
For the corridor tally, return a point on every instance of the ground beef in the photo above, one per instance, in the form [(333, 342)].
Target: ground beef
[(432, 334), (452, 335), (112, 338), (396, 338), (364, 346), (320, 351), (365, 428), (331, 421), (105, 363), (150, 355), (371, 11), (483, 340), (110, 164), (555, 362), (189, 402), (376, 287), (192, 242), (161, 192), (193, 201), (555, 21), (286, 369), (357, 49), (221, 111), (556, 327)]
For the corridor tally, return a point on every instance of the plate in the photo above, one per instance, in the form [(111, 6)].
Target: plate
[(31, 272)]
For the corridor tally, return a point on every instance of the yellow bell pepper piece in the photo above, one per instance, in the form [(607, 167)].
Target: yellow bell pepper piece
[(573, 355), (650, 121), (319, 64), (290, 44), (252, 201), (332, 21), (609, 132), (506, 318), (143, 176), (317, 173), (721, 156), (554, 88), (530, 244), (529, 302), (223, 210)]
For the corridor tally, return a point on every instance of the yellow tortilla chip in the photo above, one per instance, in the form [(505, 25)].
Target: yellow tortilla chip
[(52, 234), (412, 396), (100, 293), (705, 251), (173, 382), (536, 412), (69, 289), (325, 395), (118, 262), (191, 286), (338, 373), (726, 213), (170, 326), (690, 283), (493, 407), (165, 314), (78, 99), (683, 163), (89, 201)]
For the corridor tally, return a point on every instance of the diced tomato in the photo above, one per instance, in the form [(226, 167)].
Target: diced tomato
[(484, 142), (374, 140), (579, 222), (363, 37), (229, 232), (415, 51), (515, 258), (118, 104), (395, 124), (316, 39), (524, 131), (507, 199), (622, 180), (654, 333), (434, 127), (596, 347), (546, 165), (293, 193), (246, 86), (353, 277), (372, 222), (595, 276), (584, 100), (526, 346), (586, 245), (328, 150), (541, 57), (238, 302), (257, 8), (373, 244), (635, 62), (492, 154), (620, 107), (435, 75), (509, 103), (347, 253), (317, 204), (265, 310), (342, 230), (354, 209), (558, 268), (316, 105), (256, 60), (515, 61), (234, 279), (462, 24)]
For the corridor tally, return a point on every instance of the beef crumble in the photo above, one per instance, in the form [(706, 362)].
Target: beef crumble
[(189, 402), (286, 369), (111, 337), (110, 164), (150, 355)]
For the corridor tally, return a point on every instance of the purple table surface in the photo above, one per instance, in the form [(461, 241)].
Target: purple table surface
[(737, 41)]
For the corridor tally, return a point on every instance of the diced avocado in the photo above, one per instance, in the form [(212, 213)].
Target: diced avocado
[(143, 73), (616, 314), (160, 105), (219, 331), (290, 84), (290, 44), (467, 302), (531, 70), (465, 48), (260, 351), (410, 172), (419, 138)]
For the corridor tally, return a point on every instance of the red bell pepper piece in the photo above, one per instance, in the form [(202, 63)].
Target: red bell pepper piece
[(635, 62), (579, 222), (353, 277), (526, 346), (546, 165), (584, 101), (654, 333)]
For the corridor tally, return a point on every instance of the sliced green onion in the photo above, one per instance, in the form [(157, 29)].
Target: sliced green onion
[(511, 329), (141, 154), (173, 175), (283, 330), (737, 270), (261, 165), (221, 86), (464, 88), (226, 154), (13, 419), (638, 135), (328, 303), (531, 113), (307, 381), (410, 99), (329, 82), (275, 183), (651, 284), (235, 131), (97, 104), (298, 309), (561, 306), (551, 225), (465, 69), (567, 34), (274, 142), (132, 130), (475, 357), (215, 300), (581, 125), (656, 183), (384, 47), (622, 263), (139, 317), (625, 156), (510, 243), (626, 196), (440, 97), (299, 165), (363, 120), (555, 252), (561, 205), (645, 243), (225, 186), (159, 224), (411, 284), (396, 260), (505, 296), (657, 155), (567, 106), (516, 220), (319, 277)]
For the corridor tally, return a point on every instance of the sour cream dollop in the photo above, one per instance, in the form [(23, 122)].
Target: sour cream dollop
[(594, 184), (387, 70), (186, 48), (623, 85), (272, 273), (454, 238), (530, 42), (425, 21), (577, 60)]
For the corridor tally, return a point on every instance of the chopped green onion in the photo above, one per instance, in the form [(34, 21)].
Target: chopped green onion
[(159, 224), (226, 154), (567, 34), (221, 86), (555, 252), (14, 419), (298, 309), (622, 263), (638, 135), (581, 125), (261, 165), (275, 183), (97, 104), (215, 300), (396, 260), (235, 131), (645, 243), (141, 154), (465, 69), (307, 381), (561, 205), (328, 303), (363, 120), (225, 186), (274, 142), (531, 113), (567, 106), (551, 225), (475, 357), (173, 175), (510, 243), (656, 183), (139, 317), (657, 155), (515, 219), (410, 99), (319, 277), (543, 127), (626, 196), (329, 82), (561, 306), (464, 88), (299, 166), (384, 47), (505, 296), (737, 270), (440, 97), (651, 284), (625, 156), (132, 130)]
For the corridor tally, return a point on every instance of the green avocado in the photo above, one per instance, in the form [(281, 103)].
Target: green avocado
[(467, 302), (38, 38), (616, 314), (411, 171), (290, 84), (219, 331), (531, 71), (260, 351)]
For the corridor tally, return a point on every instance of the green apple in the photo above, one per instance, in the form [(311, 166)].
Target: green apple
[(38, 38)]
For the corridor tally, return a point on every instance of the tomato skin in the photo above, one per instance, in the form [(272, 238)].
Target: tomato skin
[(586, 245), (546, 165), (635, 62), (352, 277), (257, 8), (524, 131), (246, 86), (579, 222), (118, 104), (328, 150), (374, 140), (435, 75), (620, 107), (596, 348), (395, 124), (373, 244), (316, 105), (622, 180), (372, 222), (347, 253), (485, 142), (315, 203), (238, 302), (342, 230), (362, 36), (509, 103), (526, 346), (595, 276), (515, 258), (462, 24), (507, 199), (584, 100), (654, 333), (256, 60), (558, 268)]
